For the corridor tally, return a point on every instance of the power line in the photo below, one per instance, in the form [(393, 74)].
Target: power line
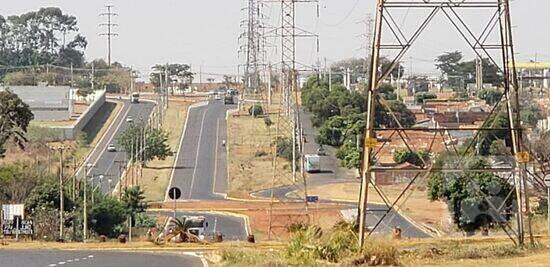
[(110, 25)]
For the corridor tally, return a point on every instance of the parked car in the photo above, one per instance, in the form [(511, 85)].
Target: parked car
[(111, 148), (129, 119)]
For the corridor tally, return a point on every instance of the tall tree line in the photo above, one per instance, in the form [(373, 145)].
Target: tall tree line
[(40, 37)]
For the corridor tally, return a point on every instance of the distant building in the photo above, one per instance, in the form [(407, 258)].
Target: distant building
[(47, 103)]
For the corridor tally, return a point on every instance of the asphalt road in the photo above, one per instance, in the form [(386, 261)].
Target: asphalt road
[(108, 163), (52, 258), (201, 165)]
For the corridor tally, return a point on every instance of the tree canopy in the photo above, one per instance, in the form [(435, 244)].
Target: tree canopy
[(156, 142), (40, 37), (15, 117), (340, 115), (453, 64), (177, 73)]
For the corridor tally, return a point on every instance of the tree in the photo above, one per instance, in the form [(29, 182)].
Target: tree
[(422, 96), (284, 148), (403, 115), (177, 73), (449, 63), (107, 215), (256, 110), (134, 199), (17, 181), (414, 158), (46, 195), (39, 37), (155, 145), (472, 196), (15, 117), (491, 96), (452, 64)]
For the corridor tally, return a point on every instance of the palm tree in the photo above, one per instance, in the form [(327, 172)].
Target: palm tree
[(134, 199)]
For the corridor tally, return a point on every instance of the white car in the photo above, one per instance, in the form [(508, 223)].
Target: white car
[(129, 119), (111, 148)]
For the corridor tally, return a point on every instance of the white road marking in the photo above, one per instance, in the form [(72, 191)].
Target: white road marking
[(112, 136), (76, 259), (197, 155), (84, 258), (196, 105), (61, 263), (216, 157), (69, 260), (90, 256), (52, 265)]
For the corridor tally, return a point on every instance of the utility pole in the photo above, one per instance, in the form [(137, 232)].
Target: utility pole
[(110, 25), (72, 76), (93, 76), (61, 195), (87, 168), (166, 83), (479, 74)]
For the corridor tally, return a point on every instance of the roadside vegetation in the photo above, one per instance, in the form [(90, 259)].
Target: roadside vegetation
[(251, 141), (340, 115)]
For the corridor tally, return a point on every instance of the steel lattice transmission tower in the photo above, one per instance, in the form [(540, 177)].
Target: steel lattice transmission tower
[(493, 43), (288, 122), (252, 42), (109, 25)]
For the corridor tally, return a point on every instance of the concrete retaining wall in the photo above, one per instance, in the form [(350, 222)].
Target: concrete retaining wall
[(71, 132)]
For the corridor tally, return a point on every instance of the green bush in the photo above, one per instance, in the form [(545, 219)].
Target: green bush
[(107, 217), (256, 110), (284, 148)]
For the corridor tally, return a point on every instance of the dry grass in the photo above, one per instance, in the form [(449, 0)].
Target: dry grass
[(418, 207), (250, 160), (156, 175)]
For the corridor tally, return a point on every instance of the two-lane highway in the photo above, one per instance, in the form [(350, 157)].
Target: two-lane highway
[(201, 166), (108, 163)]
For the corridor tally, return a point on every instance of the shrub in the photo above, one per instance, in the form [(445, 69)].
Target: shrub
[(256, 110), (284, 148), (268, 122), (260, 153), (107, 217)]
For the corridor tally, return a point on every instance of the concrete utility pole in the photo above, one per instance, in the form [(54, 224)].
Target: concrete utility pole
[(61, 195), (87, 168), (479, 73), (93, 76), (110, 25)]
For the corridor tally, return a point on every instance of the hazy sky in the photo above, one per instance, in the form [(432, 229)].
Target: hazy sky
[(204, 32)]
